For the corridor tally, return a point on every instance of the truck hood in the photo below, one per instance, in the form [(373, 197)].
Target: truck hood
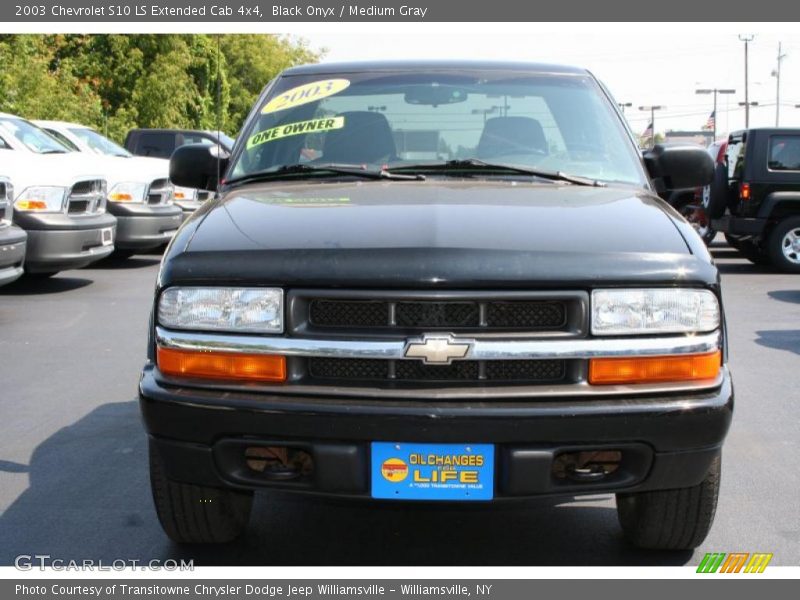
[(25, 169), (438, 232)]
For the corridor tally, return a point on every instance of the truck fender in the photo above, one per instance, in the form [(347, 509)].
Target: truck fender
[(780, 204)]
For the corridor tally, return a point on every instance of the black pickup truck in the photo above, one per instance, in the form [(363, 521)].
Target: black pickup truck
[(755, 199), (437, 281)]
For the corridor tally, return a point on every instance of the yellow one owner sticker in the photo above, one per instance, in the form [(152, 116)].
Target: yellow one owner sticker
[(282, 131), (303, 94)]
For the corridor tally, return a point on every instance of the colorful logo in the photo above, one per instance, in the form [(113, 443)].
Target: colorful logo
[(394, 470), (735, 562)]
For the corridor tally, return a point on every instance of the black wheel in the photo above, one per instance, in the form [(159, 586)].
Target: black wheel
[(195, 514), (671, 519), (718, 193), (783, 245), (753, 252)]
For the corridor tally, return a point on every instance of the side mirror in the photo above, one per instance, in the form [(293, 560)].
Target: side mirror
[(679, 167), (198, 165)]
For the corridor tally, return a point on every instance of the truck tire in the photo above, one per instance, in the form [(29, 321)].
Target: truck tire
[(196, 514), (718, 193), (783, 245), (671, 519)]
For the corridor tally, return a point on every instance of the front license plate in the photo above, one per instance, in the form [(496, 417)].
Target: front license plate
[(107, 236), (406, 471)]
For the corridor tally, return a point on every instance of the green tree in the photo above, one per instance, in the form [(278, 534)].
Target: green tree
[(252, 62), (116, 82)]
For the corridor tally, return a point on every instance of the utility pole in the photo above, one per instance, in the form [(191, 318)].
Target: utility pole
[(746, 39), (776, 73), (715, 91), (652, 108)]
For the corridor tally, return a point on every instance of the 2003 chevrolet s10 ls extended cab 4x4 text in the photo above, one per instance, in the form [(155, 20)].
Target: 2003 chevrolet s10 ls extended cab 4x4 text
[(438, 282)]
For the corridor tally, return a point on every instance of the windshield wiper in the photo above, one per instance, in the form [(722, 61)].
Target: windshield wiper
[(335, 168), (53, 151), (474, 164)]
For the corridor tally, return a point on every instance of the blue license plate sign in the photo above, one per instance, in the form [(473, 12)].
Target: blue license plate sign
[(404, 471)]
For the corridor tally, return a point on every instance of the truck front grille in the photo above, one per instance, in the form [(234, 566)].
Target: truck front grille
[(364, 371), (5, 204), (87, 197), (159, 192), (521, 315)]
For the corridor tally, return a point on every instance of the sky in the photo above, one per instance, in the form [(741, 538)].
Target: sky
[(644, 64)]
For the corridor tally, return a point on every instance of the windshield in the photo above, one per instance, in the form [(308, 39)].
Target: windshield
[(98, 143), (546, 122), (35, 139)]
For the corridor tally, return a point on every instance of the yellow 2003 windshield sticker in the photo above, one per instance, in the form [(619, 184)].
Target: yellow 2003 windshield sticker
[(303, 94), (282, 131)]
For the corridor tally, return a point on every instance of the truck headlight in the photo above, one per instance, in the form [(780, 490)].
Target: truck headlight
[(130, 191), (184, 194), (253, 310), (653, 310), (41, 199)]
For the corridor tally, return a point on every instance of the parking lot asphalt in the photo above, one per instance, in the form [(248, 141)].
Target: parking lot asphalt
[(73, 466)]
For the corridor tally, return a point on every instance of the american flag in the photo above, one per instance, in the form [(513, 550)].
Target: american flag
[(648, 133), (711, 124)]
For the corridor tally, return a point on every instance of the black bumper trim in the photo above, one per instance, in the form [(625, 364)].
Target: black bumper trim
[(739, 225), (342, 469), (671, 440)]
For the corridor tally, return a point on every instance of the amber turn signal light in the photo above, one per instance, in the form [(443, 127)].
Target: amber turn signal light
[(654, 369), (221, 365)]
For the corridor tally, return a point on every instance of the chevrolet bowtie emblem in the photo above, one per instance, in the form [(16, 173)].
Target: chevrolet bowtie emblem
[(438, 350)]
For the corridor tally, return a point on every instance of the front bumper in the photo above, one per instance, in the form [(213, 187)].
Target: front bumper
[(57, 242), (142, 226), (667, 441), (12, 253)]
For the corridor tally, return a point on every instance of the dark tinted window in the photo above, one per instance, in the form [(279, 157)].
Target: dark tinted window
[(194, 138), (160, 145), (784, 153)]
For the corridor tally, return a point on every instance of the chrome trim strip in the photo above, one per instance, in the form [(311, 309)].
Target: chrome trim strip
[(473, 393), (481, 349)]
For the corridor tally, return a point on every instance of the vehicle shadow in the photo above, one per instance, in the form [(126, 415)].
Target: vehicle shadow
[(781, 339), (744, 267), (115, 263), (25, 286), (88, 497), (785, 295)]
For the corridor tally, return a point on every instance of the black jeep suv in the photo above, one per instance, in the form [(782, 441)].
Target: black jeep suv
[(759, 186), (437, 282)]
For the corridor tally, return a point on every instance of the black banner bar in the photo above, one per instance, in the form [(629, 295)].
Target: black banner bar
[(255, 11)]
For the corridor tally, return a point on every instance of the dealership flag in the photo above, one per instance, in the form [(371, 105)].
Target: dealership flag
[(648, 132), (712, 121)]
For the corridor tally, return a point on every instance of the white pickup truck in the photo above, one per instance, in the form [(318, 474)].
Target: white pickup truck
[(81, 138), (57, 199), (12, 238)]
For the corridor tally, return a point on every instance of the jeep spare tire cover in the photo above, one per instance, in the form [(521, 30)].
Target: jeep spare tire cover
[(718, 194)]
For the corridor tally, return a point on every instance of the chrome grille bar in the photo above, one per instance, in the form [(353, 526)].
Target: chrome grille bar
[(481, 349)]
